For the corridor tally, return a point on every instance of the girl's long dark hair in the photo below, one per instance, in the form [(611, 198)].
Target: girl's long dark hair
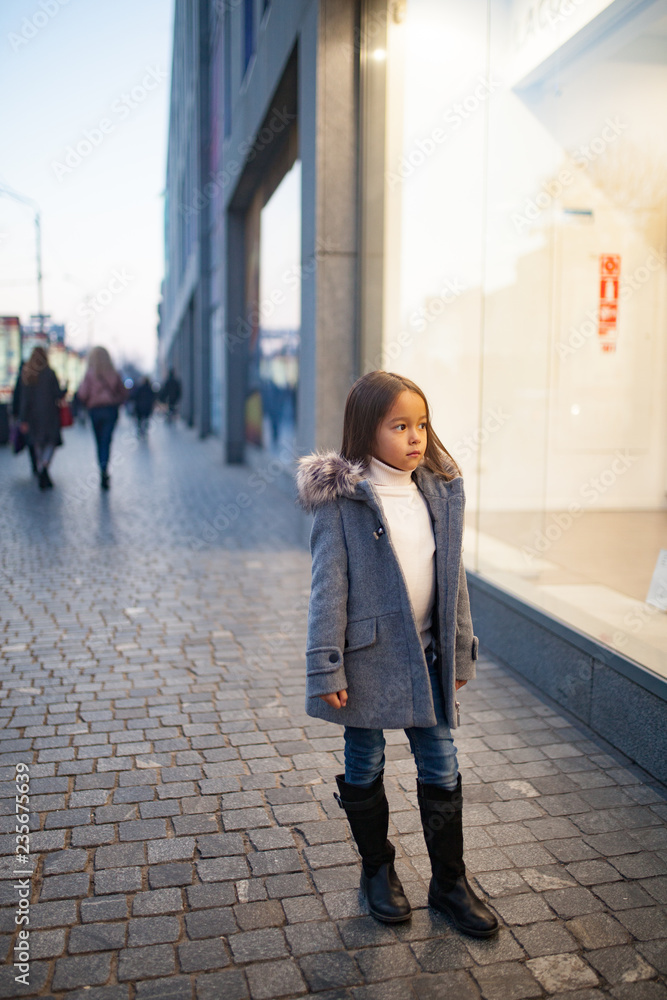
[(368, 402)]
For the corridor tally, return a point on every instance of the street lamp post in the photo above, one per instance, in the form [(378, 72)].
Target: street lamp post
[(38, 250)]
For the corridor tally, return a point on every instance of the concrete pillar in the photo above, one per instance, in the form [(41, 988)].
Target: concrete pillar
[(328, 115), (236, 340)]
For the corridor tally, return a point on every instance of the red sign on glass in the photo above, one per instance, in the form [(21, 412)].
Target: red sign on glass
[(610, 277)]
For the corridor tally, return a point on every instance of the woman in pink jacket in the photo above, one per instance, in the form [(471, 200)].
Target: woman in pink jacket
[(102, 392)]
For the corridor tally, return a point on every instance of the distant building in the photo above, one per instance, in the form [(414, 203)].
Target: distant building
[(10, 355)]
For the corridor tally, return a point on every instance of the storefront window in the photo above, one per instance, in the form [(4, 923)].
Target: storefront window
[(274, 289), (524, 287)]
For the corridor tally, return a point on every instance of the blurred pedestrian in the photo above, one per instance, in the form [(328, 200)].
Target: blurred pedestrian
[(171, 394), (144, 401), (39, 412), (102, 392), (16, 414)]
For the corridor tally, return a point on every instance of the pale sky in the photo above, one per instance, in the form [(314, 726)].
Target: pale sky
[(96, 76)]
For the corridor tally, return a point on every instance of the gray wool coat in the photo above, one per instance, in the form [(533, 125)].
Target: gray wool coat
[(362, 634)]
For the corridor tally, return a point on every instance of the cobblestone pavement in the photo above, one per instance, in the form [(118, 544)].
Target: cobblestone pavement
[(185, 841)]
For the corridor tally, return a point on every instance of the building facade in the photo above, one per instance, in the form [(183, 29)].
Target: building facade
[(472, 195)]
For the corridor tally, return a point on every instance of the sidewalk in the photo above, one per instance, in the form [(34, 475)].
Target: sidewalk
[(185, 839)]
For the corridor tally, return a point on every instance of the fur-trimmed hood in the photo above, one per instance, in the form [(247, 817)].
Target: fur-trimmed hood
[(324, 476)]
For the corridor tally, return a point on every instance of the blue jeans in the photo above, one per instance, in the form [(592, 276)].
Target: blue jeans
[(103, 419), (432, 747)]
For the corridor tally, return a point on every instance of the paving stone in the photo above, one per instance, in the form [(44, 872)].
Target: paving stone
[(565, 972), (644, 924), (303, 908), (220, 869), (330, 970), (206, 896), (439, 954), (45, 944), (173, 988), (282, 886), (620, 964), (113, 880), (211, 923), (525, 908), (202, 956), (88, 970), (253, 946), (230, 984), (306, 938), (103, 908), (65, 886), (96, 937), (388, 962), (163, 876), (639, 991), (218, 845), (271, 839), (597, 930), (146, 963), (63, 862), (254, 916), (447, 984), (655, 952), (545, 938), (274, 862), (120, 856), (572, 902), (156, 902), (153, 930), (175, 849), (507, 981), (275, 979), (120, 992), (56, 914)]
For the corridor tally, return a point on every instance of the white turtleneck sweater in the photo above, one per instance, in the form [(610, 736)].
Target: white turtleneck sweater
[(411, 532)]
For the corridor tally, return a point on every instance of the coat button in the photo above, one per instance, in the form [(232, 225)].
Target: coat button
[(333, 657)]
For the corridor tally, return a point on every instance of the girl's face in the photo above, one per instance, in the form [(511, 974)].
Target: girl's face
[(400, 439)]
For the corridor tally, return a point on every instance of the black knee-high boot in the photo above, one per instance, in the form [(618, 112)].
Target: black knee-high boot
[(368, 814), (450, 892)]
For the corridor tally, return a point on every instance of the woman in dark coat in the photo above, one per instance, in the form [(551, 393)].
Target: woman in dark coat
[(39, 414)]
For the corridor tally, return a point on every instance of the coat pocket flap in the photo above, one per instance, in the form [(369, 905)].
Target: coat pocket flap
[(360, 634)]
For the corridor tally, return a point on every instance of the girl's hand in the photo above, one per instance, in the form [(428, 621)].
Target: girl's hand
[(338, 700), (459, 684)]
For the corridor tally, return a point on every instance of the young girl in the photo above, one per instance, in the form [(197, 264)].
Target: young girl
[(390, 637)]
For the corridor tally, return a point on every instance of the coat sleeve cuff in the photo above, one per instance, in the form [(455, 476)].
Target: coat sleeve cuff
[(325, 673)]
